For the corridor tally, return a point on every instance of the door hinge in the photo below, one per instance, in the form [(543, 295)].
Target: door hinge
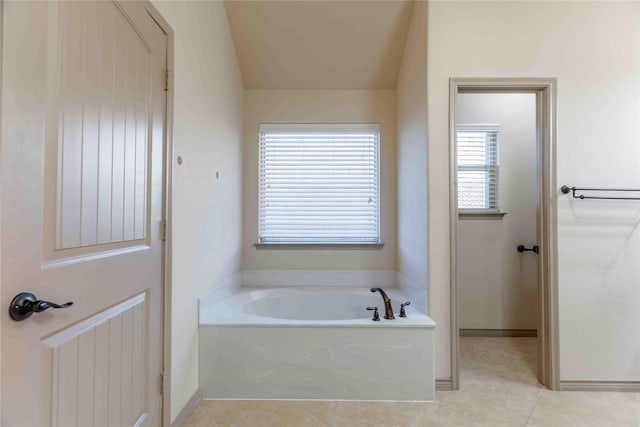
[(162, 383), (163, 230), (166, 80)]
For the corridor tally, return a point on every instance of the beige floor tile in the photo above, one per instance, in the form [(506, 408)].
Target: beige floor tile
[(472, 349), (467, 342), (515, 368), (468, 412), (570, 408), (501, 357), (200, 418), (315, 405), (441, 393), (517, 342), (260, 413), (518, 356), (379, 414), (465, 364), (505, 392)]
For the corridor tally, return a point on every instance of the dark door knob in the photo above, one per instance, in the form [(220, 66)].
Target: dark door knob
[(25, 304), (535, 249)]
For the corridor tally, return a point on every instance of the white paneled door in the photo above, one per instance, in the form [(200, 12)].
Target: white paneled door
[(83, 122)]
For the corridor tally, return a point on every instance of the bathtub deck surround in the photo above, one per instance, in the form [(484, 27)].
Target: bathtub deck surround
[(301, 340), (297, 306), (338, 278)]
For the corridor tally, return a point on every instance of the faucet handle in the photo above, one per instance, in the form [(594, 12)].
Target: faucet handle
[(402, 306), (376, 316)]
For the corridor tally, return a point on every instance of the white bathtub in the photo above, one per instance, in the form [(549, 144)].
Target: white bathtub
[(313, 343)]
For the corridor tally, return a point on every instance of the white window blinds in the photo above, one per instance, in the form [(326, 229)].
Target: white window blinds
[(319, 184), (477, 148)]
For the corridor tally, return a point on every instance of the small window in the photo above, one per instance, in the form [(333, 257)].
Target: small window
[(477, 148), (319, 184)]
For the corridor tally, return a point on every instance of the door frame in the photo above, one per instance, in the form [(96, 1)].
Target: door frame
[(1, 149), (546, 119), (167, 216)]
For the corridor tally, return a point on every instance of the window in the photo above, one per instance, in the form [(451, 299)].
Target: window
[(319, 184), (477, 148)]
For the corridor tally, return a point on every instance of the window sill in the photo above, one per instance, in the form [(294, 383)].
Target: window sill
[(481, 215), (365, 246)]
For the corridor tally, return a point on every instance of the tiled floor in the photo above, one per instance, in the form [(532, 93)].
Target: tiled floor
[(498, 388)]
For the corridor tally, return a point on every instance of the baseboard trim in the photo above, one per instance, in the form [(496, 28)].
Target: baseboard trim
[(444, 384), (630, 386), (189, 407), (498, 333)]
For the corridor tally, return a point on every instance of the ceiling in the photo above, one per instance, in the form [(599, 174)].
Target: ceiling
[(319, 44)]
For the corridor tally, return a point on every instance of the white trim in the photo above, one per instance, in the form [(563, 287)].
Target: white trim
[(187, 410), (465, 215), (545, 90), (617, 386), (167, 200), (275, 127), (498, 332), (2, 142), (479, 127), (318, 245), (284, 399), (444, 384), (453, 238)]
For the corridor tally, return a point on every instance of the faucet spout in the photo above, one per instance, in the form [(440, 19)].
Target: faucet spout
[(388, 311)]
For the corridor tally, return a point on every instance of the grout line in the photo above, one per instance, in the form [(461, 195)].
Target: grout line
[(527, 422), (534, 405), (206, 414), (204, 409), (491, 402), (316, 414), (318, 417), (503, 406), (423, 411)]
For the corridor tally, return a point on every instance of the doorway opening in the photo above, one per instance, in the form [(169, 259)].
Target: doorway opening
[(503, 228)]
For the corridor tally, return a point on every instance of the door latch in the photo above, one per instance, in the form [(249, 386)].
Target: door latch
[(25, 304)]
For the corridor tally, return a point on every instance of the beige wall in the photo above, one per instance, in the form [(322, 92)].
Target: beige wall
[(593, 48), (497, 286), (207, 211), (289, 106), (412, 152)]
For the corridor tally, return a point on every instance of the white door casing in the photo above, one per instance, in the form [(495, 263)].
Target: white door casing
[(547, 272), (83, 111)]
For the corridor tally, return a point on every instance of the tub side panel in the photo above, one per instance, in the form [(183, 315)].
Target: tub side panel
[(317, 363)]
